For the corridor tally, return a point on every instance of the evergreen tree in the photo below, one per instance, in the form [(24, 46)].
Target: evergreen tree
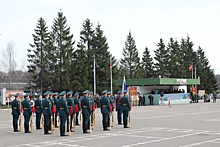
[(188, 56), (64, 51), (37, 56), (147, 64), (130, 62), (175, 60), (161, 60)]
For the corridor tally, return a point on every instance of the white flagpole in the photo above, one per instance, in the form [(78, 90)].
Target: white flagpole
[(111, 74)]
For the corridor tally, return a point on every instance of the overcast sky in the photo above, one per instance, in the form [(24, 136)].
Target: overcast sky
[(148, 21)]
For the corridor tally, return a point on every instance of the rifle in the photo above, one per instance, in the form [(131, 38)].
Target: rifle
[(42, 122), (69, 133), (58, 124), (75, 123), (20, 123), (90, 129), (80, 118), (51, 124), (54, 121), (31, 124), (112, 119), (94, 122), (129, 119), (110, 125)]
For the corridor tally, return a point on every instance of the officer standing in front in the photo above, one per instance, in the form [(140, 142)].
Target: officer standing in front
[(105, 110), (39, 109), (27, 112), (63, 112), (118, 107), (77, 106), (125, 105), (47, 112), (15, 106), (85, 111)]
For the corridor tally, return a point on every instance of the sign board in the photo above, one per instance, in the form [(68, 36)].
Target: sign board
[(3, 96), (181, 81)]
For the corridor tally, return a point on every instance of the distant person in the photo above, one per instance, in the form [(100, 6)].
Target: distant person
[(214, 97), (15, 106), (151, 98)]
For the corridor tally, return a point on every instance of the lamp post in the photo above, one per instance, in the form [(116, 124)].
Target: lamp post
[(95, 68)]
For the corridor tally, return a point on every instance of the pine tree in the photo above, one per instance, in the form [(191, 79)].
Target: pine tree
[(130, 62), (37, 56), (175, 59), (147, 64), (64, 51), (161, 60)]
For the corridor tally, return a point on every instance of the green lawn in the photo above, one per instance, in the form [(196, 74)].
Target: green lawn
[(5, 107)]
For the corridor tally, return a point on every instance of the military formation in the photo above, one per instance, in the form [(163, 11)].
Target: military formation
[(67, 110)]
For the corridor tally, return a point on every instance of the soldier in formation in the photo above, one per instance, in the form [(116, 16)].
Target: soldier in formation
[(15, 106)]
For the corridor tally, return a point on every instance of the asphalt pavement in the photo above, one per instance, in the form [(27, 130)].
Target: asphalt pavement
[(185, 125)]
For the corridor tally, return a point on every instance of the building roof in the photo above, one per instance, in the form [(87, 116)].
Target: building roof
[(158, 82)]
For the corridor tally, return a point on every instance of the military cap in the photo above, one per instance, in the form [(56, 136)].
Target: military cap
[(46, 93), (16, 95), (109, 93), (63, 92), (77, 93), (119, 91), (86, 91), (125, 91), (55, 93), (105, 91), (38, 94), (50, 93), (26, 94), (70, 92)]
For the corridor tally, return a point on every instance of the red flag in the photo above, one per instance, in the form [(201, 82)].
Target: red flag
[(54, 109), (71, 110), (33, 109), (21, 109), (190, 67), (77, 108)]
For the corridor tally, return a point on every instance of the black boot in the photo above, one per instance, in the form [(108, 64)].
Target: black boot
[(125, 124), (85, 128), (77, 121), (27, 129), (47, 129), (63, 131), (16, 127), (119, 121), (106, 126)]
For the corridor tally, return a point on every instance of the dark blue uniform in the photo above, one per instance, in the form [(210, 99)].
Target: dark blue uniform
[(27, 114), (47, 113), (105, 110), (51, 115), (125, 106), (15, 106), (39, 109), (77, 105), (85, 105), (70, 104), (55, 100), (118, 109), (63, 114)]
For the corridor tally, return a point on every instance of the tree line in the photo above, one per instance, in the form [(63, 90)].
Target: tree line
[(56, 64)]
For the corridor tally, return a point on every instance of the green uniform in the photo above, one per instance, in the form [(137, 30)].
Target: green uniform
[(105, 110), (63, 114), (70, 104), (118, 109), (85, 105), (15, 106), (27, 114), (39, 109), (125, 105), (77, 104), (47, 113)]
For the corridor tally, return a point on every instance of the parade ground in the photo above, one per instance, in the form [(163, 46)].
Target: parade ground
[(187, 125)]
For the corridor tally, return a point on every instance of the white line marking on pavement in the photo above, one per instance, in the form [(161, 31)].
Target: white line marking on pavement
[(200, 143), (158, 140), (213, 120)]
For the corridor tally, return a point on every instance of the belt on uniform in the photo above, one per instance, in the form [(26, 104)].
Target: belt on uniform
[(45, 107), (38, 106), (104, 106), (25, 108), (84, 106), (124, 104), (61, 108), (69, 106), (15, 107)]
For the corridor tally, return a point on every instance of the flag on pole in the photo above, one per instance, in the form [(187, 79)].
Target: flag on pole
[(124, 85), (110, 62), (190, 67)]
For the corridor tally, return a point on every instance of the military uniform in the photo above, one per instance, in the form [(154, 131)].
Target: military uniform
[(63, 112), (15, 106), (85, 111), (55, 100), (105, 110), (111, 107), (39, 109), (52, 104), (125, 105), (47, 112), (92, 104), (77, 106), (70, 104), (27, 112), (118, 107)]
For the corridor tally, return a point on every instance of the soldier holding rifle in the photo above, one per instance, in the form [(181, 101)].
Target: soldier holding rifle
[(27, 112), (15, 106)]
